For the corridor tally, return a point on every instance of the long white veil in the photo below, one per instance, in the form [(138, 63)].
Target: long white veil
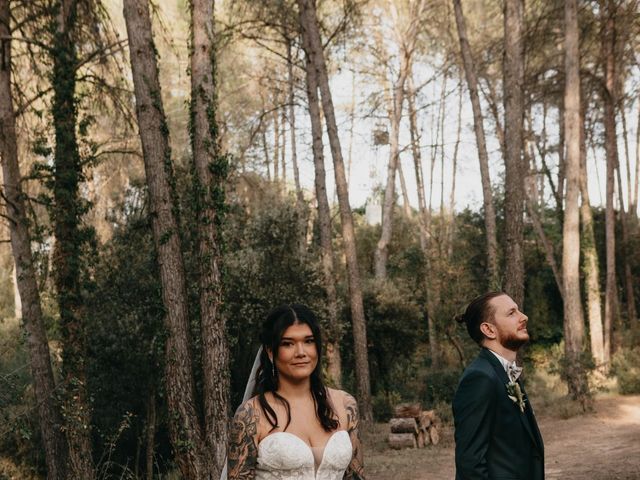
[(248, 393)]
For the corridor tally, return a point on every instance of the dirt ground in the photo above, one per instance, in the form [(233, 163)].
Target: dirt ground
[(604, 445)]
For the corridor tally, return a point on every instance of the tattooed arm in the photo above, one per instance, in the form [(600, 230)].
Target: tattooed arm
[(355, 470), (243, 448)]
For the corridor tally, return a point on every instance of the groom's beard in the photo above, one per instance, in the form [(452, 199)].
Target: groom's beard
[(514, 342)]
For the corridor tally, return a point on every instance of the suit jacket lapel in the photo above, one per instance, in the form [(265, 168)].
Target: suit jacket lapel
[(527, 419)]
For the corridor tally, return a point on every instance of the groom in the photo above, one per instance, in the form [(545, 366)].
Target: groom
[(496, 433)]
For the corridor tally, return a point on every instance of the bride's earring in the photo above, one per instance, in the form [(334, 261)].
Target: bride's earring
[(273, 368)]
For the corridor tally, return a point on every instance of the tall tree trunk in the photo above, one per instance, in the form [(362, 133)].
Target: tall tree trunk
[(590, 265), (406, 41), (184, 427), (608, 46), (283, 148), (487, 195), (313, 49), (406, 206), (265, 147), (334, 363), (423, 217), (292, 125), (211, 172), (68, 209), (628, 277), (150, 434), (627, 155), (382, 249), (451, 218), (44, 387), (633, 210), (276, 144), (573, 316), (513, 71)]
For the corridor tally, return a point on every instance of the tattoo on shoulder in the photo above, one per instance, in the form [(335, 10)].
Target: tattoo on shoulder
[(351, 409), (243, 449), (355, 471)]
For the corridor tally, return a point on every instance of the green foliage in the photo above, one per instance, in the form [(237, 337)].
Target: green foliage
[(625, 365), (383, 404), (264, 268), (441, 385), (395, 327)]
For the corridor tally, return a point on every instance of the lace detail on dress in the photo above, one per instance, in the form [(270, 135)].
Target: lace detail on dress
[(284, 456)]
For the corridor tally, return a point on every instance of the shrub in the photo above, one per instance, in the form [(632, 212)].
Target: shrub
[(626, 367)]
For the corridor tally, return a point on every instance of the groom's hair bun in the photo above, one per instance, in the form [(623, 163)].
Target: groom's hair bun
[(477, 312)]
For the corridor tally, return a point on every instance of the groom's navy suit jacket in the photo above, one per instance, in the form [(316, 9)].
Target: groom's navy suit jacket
[(494, 439)]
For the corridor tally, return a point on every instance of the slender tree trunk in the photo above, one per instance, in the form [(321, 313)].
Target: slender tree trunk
[(628, 277), (265, 147), (276, 145), (573, 316), (423, 218), (489, 210), (283, 148), (44, 387), (514, 171), (382, 249), (633, 210), (334, 363), (590, 264), (406, 207), (211, 172), (184, 427), (352, 121), (292, 125), (608, 46), (68, 209), (627, 155), (150, 434), (313, 48), (561, 160), (452, 194), (406, 41)]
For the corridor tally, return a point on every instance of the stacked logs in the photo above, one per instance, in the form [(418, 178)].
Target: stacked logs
[(412, 427)]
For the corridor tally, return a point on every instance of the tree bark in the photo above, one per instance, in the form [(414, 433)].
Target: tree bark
[(292, 125), (608, 46), (590, 265), (324, 222), (423, 218), (406, 206), (44, 387), (313, 44), (487, 195), (451, 216), (150, 434), (633, 210), (628, 276), (573, 316), (68, 208), (184, 427), (406, 41), (513, 72), (211, 173)]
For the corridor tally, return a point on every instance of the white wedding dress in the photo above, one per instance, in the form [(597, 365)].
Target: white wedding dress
[(284, 456)]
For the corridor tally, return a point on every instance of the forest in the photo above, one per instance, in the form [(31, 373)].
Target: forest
[(174, 169)]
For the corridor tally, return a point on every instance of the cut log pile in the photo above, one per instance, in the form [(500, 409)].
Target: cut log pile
[(412, 427)]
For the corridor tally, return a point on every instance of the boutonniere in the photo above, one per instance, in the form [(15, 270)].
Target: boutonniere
[(515, 394)]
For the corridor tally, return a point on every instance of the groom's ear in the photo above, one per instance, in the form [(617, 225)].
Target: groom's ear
[(488, 330)]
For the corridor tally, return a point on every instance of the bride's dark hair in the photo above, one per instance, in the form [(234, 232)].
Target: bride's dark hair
[(277, 321)]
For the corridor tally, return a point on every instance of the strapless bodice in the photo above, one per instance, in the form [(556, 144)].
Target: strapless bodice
[(284, 456)]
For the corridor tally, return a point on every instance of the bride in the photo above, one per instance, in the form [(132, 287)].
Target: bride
[(294, 428)]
